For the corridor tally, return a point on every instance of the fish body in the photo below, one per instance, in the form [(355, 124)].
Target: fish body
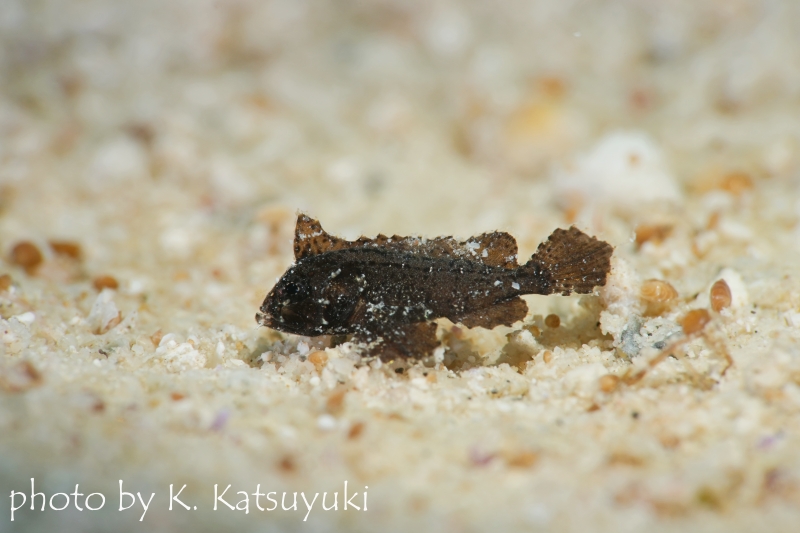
[(388, 290)]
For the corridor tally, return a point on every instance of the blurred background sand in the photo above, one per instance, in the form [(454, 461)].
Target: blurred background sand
[(161, 151)]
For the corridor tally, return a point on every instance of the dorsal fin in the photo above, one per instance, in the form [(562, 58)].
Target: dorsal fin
[(311, 239), (494, 249)]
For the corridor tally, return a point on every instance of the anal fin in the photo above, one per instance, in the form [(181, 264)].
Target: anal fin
[(502, 314)]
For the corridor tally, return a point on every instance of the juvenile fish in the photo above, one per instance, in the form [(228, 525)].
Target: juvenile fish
[(387, 291)]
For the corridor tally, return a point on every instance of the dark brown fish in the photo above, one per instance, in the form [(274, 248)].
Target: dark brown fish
[(388, 290)]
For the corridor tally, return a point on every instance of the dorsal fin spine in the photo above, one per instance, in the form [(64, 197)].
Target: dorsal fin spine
[(493, 249)]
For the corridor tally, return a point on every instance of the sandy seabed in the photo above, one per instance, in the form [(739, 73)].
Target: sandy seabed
[(153, 158)]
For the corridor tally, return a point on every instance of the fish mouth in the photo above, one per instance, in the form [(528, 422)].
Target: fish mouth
[(264, 319), (290, 318), (286, 320)]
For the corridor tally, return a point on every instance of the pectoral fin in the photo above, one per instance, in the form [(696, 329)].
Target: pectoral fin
[(413, 341)]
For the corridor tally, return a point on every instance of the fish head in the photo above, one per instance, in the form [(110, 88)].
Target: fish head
[(311, 299)]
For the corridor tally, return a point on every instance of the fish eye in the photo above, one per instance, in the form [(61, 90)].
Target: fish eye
[(291, 289)]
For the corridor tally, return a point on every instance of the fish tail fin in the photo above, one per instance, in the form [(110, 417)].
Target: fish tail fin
[(568, 261)]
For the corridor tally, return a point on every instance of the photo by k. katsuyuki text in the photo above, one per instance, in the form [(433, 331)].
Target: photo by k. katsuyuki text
[(387, 291)]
